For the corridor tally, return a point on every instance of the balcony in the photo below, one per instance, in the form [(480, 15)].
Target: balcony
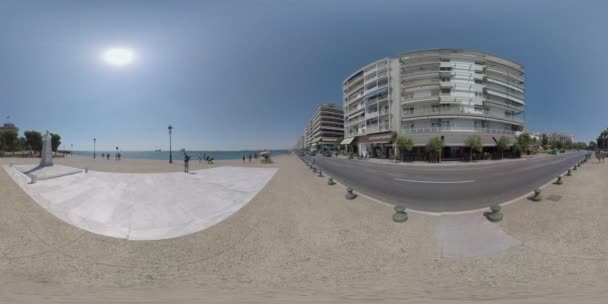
[(372, 129), (370, 115), (456, 129), (460, 112)]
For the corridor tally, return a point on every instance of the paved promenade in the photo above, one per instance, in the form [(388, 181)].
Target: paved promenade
[(299, 240)]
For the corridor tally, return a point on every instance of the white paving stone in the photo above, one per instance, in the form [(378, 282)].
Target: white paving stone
[(146, 206), (471, 235)]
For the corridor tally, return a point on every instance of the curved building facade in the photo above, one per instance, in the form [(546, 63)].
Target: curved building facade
[(444, 93)]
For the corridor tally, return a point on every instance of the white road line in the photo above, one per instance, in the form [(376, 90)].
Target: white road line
[(435, 182)]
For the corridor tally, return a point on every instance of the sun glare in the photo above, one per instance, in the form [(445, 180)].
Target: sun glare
[(119, 56)]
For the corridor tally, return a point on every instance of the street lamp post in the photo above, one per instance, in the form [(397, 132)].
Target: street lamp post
[(94, 141), (170, 153)]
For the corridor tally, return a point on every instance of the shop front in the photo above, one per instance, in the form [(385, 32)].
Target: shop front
[(379, 145)]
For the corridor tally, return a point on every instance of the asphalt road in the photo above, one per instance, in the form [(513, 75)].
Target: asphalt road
[(448, 188)]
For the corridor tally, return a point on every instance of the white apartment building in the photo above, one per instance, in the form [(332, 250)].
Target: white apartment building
[(325, 127), (444, 93), (561, 137)]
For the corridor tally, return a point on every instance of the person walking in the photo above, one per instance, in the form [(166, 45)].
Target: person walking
[(249, 157), (107, 156), (186, 162), (200, 158), (255, 156), (243, 157)]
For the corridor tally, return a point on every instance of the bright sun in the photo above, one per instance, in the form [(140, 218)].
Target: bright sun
[(119, 56)]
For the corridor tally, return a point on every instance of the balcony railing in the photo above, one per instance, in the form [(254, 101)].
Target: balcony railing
[(456, 129), (459, 110)]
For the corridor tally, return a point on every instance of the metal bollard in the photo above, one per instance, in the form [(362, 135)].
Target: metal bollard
[(330, 181), (495, 215), (349, 194), (537, 197), (400, 215), (314, 169), (320, 173), (86, 170), (569, 173), (574, 168), (559, 180), (33, 179)]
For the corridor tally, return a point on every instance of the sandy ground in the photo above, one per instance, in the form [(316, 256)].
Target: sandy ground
[(300, 241)]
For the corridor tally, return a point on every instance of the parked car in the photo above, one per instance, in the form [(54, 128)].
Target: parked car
[(313, 153), (327, 154)]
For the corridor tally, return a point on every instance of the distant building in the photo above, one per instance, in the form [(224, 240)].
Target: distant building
[(325, 127), (561, 137), (444, 93), (9, 126)]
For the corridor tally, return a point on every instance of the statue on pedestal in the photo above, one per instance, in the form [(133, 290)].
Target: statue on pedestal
[(47, 151)]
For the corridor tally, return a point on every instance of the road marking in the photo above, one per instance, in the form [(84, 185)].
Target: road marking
[(339, 165), (435, 182)]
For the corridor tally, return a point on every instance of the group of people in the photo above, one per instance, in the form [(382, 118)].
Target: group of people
[(255, 155), (107, 156), (201, 157)]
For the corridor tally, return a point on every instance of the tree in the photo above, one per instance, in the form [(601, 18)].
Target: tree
[(434, 147), (544, 140), (474, 143), (592, 146), (21, 144), (55, 141), (502, 144), (404, 144), (558, 145), (34, 140), (516, 147), (602, 140), (9, 140), (337, 143), (524, 142)]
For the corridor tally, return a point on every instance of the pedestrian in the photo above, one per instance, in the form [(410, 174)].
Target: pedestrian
[(107, 156), (200, 158), (249, 157), (103, 155), (186, 161), (243, 157), (255, 156)]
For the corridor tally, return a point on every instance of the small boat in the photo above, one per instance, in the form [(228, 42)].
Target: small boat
[(158, 150)]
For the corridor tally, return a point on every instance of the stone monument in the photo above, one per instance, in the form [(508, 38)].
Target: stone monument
[(47, 151)]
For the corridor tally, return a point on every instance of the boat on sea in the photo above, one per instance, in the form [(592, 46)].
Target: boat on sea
[(158, 150)]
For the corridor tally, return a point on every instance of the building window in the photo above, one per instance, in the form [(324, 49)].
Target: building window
[(445, 91), (445, 124), (445, 79)]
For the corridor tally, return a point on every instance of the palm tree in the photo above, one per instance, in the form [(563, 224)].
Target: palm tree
[(502, 144), (474, 143), (404, 144)]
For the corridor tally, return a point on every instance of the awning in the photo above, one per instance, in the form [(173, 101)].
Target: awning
[(347, 141), (378, 138)]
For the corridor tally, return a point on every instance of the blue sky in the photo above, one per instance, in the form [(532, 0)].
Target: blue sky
[(248, 74)]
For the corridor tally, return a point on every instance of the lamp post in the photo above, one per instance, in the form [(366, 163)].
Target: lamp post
[(170, 153), (94, 141)]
